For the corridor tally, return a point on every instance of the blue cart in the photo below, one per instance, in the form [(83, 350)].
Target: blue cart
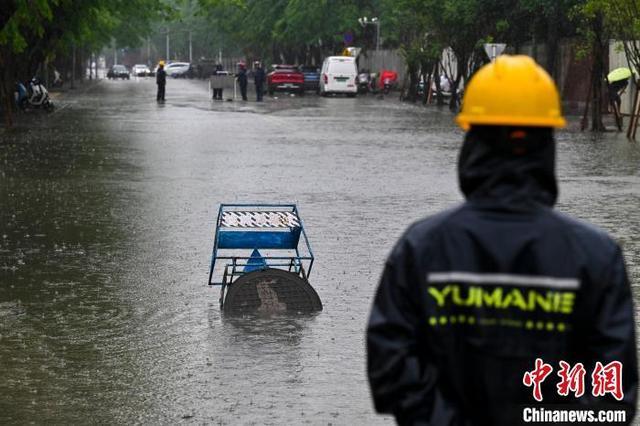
[(262, 259)]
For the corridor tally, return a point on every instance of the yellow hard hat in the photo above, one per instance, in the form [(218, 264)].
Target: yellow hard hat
[(511, 91), (161, 63)]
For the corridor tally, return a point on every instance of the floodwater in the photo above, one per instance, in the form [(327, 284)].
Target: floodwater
[(107, 212)]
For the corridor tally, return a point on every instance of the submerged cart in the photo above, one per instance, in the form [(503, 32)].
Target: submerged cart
[(262, 260)]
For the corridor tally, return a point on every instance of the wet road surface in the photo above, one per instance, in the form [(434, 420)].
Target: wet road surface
[(107, 216)]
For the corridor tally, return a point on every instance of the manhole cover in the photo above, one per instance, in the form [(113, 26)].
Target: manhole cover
[(271, 291)]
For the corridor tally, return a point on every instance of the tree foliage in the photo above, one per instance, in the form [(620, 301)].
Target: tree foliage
[(288, 30), (34, 32)]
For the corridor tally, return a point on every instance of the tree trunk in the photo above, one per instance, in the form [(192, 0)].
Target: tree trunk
[(413, 83), (463, 64), (597, 76), (453, 101), (6, 88), (7, 105), (553, 23), (436, 79)]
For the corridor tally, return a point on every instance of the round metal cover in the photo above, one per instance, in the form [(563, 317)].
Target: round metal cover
[(271, 291)]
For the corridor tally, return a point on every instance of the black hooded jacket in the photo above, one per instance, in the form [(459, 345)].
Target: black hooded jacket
[(161, 77), (470, 298)]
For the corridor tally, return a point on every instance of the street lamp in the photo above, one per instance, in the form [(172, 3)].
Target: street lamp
[(374, 21)]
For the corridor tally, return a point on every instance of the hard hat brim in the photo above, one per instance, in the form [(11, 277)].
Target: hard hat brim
[(466, 122)]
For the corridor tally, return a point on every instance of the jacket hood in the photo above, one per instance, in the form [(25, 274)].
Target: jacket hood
[(513, 167)]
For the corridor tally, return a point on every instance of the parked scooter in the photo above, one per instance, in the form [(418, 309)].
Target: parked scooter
[(420, 92), (57, 79), (35, 95), (364, 82), (21, 96), (388, 80)]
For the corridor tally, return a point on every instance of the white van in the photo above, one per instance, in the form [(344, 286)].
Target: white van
[(339, 75)]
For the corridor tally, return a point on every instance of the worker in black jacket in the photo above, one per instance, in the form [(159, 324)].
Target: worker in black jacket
[(161, 81), (241, 77), (471, 297), (258, 78)]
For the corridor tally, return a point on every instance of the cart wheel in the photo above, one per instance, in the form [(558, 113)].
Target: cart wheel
[(271, 291)]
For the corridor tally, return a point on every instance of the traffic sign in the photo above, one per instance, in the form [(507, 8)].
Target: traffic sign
[(494, 49)]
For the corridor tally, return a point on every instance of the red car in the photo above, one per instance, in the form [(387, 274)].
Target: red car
[(285, 77)]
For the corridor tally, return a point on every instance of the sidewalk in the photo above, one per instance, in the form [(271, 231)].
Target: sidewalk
[(80, 87)]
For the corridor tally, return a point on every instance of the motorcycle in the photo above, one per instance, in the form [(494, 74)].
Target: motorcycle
[(388, 80), (21, 96), (34, 95), (364, 82), (57, 79)]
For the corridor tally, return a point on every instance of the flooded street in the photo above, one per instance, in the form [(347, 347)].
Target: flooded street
[(107, 217)]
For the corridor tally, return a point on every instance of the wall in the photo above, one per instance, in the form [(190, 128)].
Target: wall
[(383, 59), (572, 74)]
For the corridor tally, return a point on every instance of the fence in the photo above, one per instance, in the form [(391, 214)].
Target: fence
[(374, 61), (221, 81)]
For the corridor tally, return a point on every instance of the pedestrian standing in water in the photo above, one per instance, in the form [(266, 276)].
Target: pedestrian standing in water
[(161, 81), (258, 77), (478, 305), (241, 77)]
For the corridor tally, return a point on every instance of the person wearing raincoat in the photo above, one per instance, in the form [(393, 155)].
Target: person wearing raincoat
[(161, 81), (617, 82), (241, 77), (476, 303), (259, 78)]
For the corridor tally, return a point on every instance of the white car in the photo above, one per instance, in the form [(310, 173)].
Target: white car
[(140, 70), (339, 74), (177, 69)]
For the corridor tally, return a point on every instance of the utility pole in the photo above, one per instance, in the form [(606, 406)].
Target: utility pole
[(364, 21), (73, 66), (167, 45), (115, 53), (148, 51), (190, 49)]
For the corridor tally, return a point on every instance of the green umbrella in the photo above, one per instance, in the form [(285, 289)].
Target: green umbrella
[(619, 74)]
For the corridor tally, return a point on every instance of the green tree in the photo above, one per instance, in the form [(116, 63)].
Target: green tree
[(418, 44), (595, 33), (34, 32), (293, 31)]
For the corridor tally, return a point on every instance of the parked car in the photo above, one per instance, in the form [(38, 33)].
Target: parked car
[(311, 77), (178, 69), (118, 71), (140, 70), (339, 74), (285, 77)]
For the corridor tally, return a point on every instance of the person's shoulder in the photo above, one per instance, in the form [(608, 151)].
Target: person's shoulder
[(427, 228), (586, 234)]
